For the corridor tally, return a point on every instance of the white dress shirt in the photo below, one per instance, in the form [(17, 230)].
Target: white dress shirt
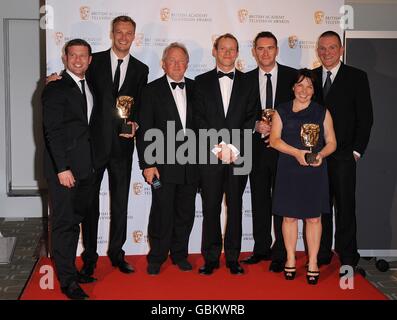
[(180, 100), (123, 66), (90, 100), (263, 83), (226, 85)]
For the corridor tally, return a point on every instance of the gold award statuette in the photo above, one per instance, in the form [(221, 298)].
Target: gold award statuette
[(267, 116), (309, 136), (124, 105)]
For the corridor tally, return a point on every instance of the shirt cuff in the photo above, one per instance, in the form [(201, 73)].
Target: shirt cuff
[(357, 154)]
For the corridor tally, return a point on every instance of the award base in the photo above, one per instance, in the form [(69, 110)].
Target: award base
[(125, 128), (311, 158)]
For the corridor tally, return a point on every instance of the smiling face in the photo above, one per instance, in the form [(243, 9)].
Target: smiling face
[(175, 64), (77, 60), (225, 54), (123, 35), (303, 90), (265, 53), (329, 51)]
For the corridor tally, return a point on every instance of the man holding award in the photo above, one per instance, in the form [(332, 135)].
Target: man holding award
[(302, 131), (273, 83), (118, 79)]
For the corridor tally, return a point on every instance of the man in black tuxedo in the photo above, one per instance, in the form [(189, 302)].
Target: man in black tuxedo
[(167, 107), (273, 83), (225, 100), (113, 73), (67, 106), (344, 90)]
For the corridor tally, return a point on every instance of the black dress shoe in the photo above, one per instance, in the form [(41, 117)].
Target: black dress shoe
[(184, 265), (208, 268), (87, 269), (124, 266), (74, 292), (256, 258), (234, 267), (276, 266), (153, 268), (323, 261), (81, 278)]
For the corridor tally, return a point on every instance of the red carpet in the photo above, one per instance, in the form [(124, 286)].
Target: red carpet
[(171, 284)]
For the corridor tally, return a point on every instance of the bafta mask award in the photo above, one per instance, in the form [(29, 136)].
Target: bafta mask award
[(267, 116), (309, 136), (124, 105)]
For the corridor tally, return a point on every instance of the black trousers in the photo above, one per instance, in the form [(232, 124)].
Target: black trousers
[(68, 208), (342, 179), (171, 221), (119, 172), (215, 181), (262, 179)]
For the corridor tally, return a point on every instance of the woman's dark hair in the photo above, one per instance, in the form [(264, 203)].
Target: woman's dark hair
[(306, 73)]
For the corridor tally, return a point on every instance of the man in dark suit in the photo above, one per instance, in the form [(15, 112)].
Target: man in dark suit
[(273, 83), (167, 107), (67, 106), (225, 100), (113, 73), (344, 90)]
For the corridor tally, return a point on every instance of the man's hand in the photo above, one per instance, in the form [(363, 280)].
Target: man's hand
[(149, 174), (52, 77), (66, 179), (133, 130), (263, 127), (226, 154)]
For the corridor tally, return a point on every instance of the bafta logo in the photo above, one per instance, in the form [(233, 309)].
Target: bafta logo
[(124, 106), (84, 13), (137, 236), (165, 14), (319, 17), (310, 133), (292, 41), (137, 187), (240, 65), (59, 39), (242, 15), (139, 39), (214, 37)]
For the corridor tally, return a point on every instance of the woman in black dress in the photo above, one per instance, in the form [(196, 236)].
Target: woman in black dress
[(301, 188)]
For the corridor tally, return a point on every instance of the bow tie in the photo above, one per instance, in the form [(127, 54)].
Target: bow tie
[(179, 84), (222, 74)]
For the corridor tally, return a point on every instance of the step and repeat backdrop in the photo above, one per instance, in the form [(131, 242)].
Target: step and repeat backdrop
[(296, 24)]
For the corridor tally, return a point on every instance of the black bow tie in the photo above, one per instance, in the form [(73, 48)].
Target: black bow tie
[(222, 74), (179, 84)]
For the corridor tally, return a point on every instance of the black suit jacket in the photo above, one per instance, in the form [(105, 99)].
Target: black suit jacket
[(208, 106), (159, 107), (285, 80), (66, 129), (105, 120), (349, 102)]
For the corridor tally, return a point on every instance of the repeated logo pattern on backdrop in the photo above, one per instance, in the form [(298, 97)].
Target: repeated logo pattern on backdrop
[(196, 24)]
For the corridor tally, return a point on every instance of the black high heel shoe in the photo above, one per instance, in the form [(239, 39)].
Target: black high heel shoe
[(312, 276), (289, 273)]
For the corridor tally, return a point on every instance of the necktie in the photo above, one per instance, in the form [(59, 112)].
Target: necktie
[(84, 96), (179, 84), (269, 91), (116, 80), (327, 84), (222, 74)]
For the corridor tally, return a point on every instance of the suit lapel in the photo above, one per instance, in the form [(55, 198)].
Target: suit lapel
[(189, 97), (280, 79), (76, 92), (234, 94), (107, 66), (214, 85), (170, 104), (128, 74)]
